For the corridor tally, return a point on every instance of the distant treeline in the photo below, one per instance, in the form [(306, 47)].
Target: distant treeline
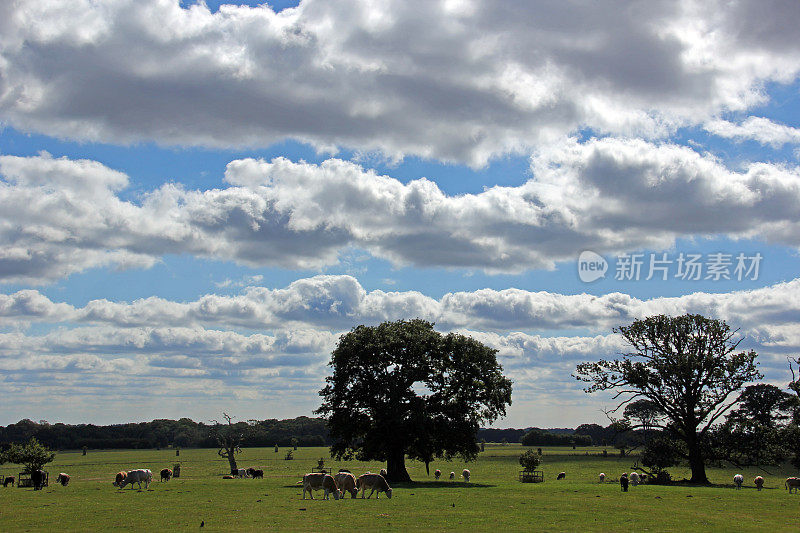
[(306, 431), (183, 433)]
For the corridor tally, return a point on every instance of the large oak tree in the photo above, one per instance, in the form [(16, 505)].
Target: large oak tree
[(402, 389), (688, 366)]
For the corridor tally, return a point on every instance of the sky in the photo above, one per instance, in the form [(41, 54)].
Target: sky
[(198, 199)]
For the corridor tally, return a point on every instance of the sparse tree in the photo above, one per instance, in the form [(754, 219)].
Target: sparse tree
[(530, 460), (32, 455), (402, 389), (688, 366), (229, 438)]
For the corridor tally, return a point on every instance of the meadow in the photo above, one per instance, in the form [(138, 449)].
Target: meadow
[(494, 499)]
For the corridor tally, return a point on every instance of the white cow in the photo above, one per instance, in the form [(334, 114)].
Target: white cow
[(346, 482), (602, 477), (320, 480), (142, 475), (241, 473), (738, 479), (634, 478), (465, 475), (376, 482), (452, 476)]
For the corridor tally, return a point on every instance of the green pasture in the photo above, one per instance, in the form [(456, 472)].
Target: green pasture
[(493, 500)]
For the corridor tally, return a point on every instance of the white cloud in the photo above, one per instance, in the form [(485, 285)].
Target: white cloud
[(758, 129), (62, 216), (420, 78)]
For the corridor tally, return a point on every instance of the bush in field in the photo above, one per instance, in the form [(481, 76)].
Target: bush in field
[(530, 460), (32, 455)]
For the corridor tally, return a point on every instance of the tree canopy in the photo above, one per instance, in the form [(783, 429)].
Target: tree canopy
[(32, 455), (403, 389), (688, 366)]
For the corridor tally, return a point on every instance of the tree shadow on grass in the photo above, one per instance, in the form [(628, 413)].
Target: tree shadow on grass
[(441, 485)]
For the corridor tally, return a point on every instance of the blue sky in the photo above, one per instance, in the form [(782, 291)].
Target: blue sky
[(204, 198)]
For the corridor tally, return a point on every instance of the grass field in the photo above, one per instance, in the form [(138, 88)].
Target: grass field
[(494, 500)]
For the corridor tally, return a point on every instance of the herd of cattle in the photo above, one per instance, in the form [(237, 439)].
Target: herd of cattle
[(344, 481)]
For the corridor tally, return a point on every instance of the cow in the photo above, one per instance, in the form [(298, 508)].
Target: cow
[(9, 480), (465, 474), (738, 479), (452, 476), (561, 475), (376, 482), (437, 474), (63, 479), (228, 476), (38, 477), (623, 482), (759, 481), (166, 474), (634, 478), (119, 478), (792, 483), (320, 480), (346, 483), (240, 473), (642, 478), (602, 477), (139, 476), (256, 473)]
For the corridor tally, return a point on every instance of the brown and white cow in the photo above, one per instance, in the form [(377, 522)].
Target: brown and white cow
[(437, 474), (119, 478), (166, 474), (759, 481), (63, 479), (792, 483), (320, 480), (376, 482), (346, 483), (139, 476)]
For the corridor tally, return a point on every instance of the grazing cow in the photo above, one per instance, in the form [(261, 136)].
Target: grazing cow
[(561, 475), (63, 479), (320, 480), (759, 481), (376, 482), (437, 474), (166, 474), (602, 477), (634, 478), (257, 473), (119, 478), (452, 476), (792, 483), (465, 474), (642, 478), (9, 480), (38, 477), (139, 476), (738, 479), (623, 482), (242, 473), (346, 483), (383, 472)]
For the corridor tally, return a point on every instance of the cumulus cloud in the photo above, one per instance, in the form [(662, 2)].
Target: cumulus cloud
[(758, 129), (62, 216), (450, 80)]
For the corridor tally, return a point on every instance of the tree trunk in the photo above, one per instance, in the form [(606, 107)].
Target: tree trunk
[(396, 467), (697, 463), (232, 460)]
